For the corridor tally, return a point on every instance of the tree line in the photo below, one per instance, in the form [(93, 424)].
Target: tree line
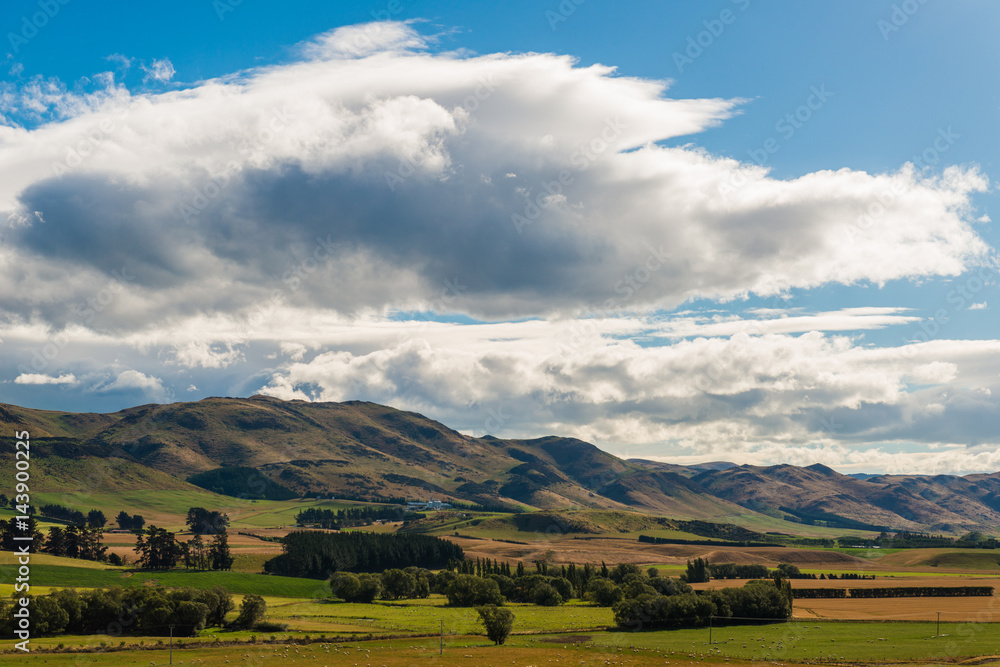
[(131, 523), (644, 607), (473, 583), (896, 592), (353, 516), (156, 548), (317, 555), (76, 542), (912, 540), (922, 592), (638, 598), (715, 543), (94, 518), (700, 570), (159, 549), (142, 611)]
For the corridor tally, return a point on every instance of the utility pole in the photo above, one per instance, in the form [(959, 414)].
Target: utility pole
[(171, 643), (441, 650), (938, 625), (710, 617)]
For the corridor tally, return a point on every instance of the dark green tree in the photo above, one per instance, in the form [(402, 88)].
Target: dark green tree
[(467, 590), (206, 522), (398, 584), (158, 549), (603, 592), (219, 555), (498, 621), (697, 571), (252, 609), (96, 519)]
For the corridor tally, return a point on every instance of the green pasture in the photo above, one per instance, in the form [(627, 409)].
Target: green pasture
[(236, 582), (810, 640)]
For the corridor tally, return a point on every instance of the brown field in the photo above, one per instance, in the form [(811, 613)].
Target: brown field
[(971, 609), (612, 550), (563, 550), (412, 654), (977, 610), (879, 582), (123, 544)]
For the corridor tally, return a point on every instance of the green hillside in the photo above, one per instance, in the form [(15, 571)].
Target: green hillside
[(263, 447)]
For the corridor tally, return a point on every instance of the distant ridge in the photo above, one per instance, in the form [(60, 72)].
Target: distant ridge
[(364, 450)]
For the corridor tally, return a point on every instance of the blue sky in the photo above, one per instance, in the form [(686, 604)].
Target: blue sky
[(767, 318)]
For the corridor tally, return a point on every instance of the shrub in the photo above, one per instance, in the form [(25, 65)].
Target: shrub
[(619, 572), (563, 586), (661, 611), (351, 587), (545, 595), (252, 609), (603, 592), (397, 584), (467, 590), (668, 586), (498, 622), (269, 626), (697, 571)]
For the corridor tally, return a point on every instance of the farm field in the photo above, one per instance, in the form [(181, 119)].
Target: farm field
[(167, 508), (345, 642), (62, 576), (406, 632), (465, 652)]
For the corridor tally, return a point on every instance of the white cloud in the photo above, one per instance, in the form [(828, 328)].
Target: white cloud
[(936, 372), (363, 40), (370, 183), (294, 351), (38, 378), (134, 380), (751, 397), (978, 306), (762, 398), (195, 354), (159, 70), (275, 226), (124, 63)]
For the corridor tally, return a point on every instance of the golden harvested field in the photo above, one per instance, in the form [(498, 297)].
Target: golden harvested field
[(123, 544), (971, 610), (418, 653), (879, 582), (610, 550), (966, 609)]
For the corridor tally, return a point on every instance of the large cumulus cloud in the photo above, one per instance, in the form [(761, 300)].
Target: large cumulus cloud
[(538, 184), (277, 228)]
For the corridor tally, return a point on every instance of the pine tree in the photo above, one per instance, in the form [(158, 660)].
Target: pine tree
[(220, 556), (55, 543)]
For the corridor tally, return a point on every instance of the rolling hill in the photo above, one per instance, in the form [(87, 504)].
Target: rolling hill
[(942, 503), (364, 450)]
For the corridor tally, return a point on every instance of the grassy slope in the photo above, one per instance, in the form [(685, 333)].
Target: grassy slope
[(352, 448), (801, 640), (66, 576), (785, 642), (475, 651), (168, 508), (356, 447), (90, 474)]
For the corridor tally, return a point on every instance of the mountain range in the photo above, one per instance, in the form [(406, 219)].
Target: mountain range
[(365, 450)]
